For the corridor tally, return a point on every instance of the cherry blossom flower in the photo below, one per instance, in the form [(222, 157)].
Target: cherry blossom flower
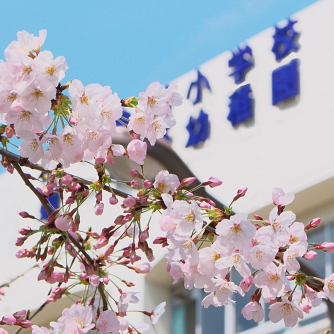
[(31, 147), (253, 311), (139, 123), (64, 222), (221, 290), (37, 330), (280, 198), (166, 182), (280, 224), (36, 97), (290, 257), (77, 315), (187, 216), (286, 310), (125, 299), (25, 44), (136, 151), (271, 280), (236, 232), (237, 261), (155, 100), (49, 71), (156, 314), (329, 287)]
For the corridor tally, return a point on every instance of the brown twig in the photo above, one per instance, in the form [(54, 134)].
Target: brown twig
[(32, 316), (44, 202), (24, 162), (17, 277), (41, 197)]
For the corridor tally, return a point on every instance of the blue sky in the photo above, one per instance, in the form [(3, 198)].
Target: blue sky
[(129, 44)]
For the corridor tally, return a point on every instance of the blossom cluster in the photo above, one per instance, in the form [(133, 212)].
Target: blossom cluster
[(56, 128), (209, 248), (264, 253)]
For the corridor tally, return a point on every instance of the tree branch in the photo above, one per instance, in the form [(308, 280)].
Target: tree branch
[(41, 197), (24, 162), (17, 277)]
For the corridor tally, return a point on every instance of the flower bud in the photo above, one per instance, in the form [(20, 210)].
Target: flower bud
[(25, 214), (187, 182), (212, 182), (73, 120), (99, 209), (310, 255), (94, 280), (313, 223), (67, 179), (130, 201), (143, 268), (240, 193), (113, 200), (148, 184), (246, 283), (99, 160)]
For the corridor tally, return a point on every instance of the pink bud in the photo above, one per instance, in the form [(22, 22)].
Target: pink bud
[(130, 201), (240, 193), (94, 280), (20, 241), (25, 231), (105, 280), (134, 184), (98, 196), (22, 253), (101, 242), (73, 120), (2, 292), (246, 283), (143, 236), (10, 168), (305, 305), (70, 200), (136, 174), (9, 319), (212, 182), (205, 205), (25, 323), (187, 182), (257, 217), (64, 222), (143, 268), (83, 276), (10, 132), (148, 184), (99, 209), (110, 157), (99, 160), (310, 255), (25, 214), (113, 200), (67, 179), (327, 247), (313, 223)]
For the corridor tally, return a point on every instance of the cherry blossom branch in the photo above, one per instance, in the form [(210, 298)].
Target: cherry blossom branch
[(32, 316), (41, 197), (17, 277), (75, 242), (24, 162)]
